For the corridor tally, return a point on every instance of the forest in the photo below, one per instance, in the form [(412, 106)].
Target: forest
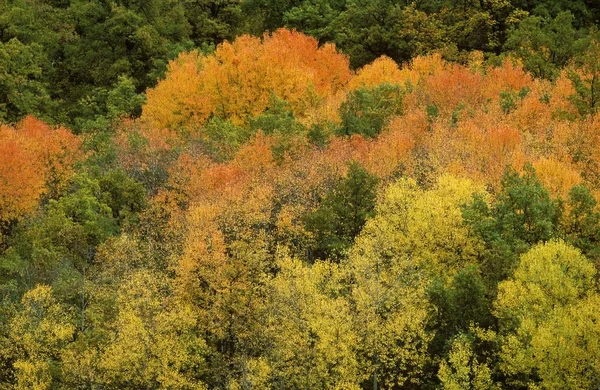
[(299, 194)]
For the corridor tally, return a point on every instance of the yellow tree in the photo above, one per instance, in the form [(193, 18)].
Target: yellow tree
[(39, 331), (390, 309), (552, 279), (567, 346), (382, 70), (180, 98), (388, 296), (462, 369), (310, 323), (415, 236), (223, 274), (435, 233), (153, 340)]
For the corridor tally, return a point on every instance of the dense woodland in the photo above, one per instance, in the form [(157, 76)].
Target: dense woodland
[(299, 194)]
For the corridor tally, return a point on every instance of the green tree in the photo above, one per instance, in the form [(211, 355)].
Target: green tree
[(23, 89), (474, 25), (583, 11), (122, 99), (58, 246), (367, 110), (278, 120), (368, 29), (546, 45), (214, 22), (222, 138), (585, 77), (458, 307), (580, 223), (342, 213), (91, 53), (314, 17), (268, 13), (125, 196), (522, 215)]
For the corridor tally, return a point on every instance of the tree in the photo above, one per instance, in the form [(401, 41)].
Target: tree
[(566, 345), (585, 77), (389, 306), (146, 153), (56, 150), (212, 23), (383, 70), (460, 305), (580, 222), (24, 90), (41, 329), (545, 45), (314, 17), (125, 196), (58, 246), (342, 214), (462, 370), (22, 184), (224, 278), (85, 51), (180, 98), (549, 279), (236, 82), (122, 99), (314, 343), (522, 216), (369, 29), (38, 162), (278, 120), (583, 13), (391, 266), (428, 225), (152, 343), (368, 110), (432, 229), (525, 209)]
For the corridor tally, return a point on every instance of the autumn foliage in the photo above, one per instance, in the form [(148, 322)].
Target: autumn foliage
[(236, 81), (472, 120), (37, 160), (276, 220)]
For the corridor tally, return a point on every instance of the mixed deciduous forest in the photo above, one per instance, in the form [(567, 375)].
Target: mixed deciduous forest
[(299, 194)]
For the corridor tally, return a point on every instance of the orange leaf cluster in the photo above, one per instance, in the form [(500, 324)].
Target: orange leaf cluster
[(36, 160), (236, 81)]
